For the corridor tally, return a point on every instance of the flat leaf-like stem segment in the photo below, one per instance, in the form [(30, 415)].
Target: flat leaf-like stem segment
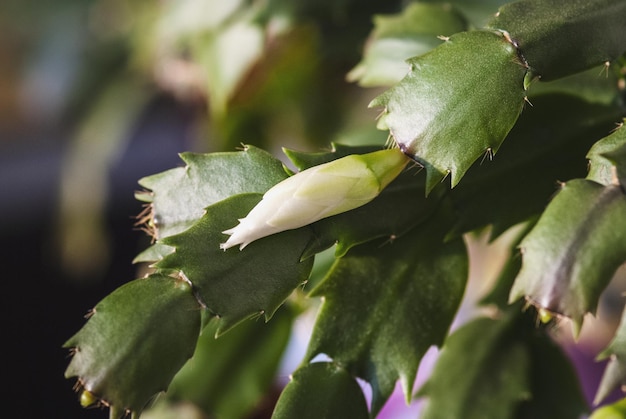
[(178, 197), (558, 38), (135, 341), (547, 143), (571, 254), (321, 390), (457, 103), (386, 303), (502, 368), (237, 285)]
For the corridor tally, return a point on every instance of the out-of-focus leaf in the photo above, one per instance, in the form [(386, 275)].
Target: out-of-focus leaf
[(546, 145), (321, 390), (478, 12), (616, 410), (615, 371), (103, 132), (499, 294), (482, 371), (404, 197), (236, 285), (555, 388), (396, 38), (228, 376), (457, 103), (135, 341), (607, 158), (386, 303), (597, 85), (179, 196), (574, 249), (502, 368), (558, 39)]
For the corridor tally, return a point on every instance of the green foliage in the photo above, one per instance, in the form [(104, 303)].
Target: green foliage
[(228, 377), (507, 373), (456, 103), (571, 254), (469, 107), (322, 390), (136, 339), (379, 302)]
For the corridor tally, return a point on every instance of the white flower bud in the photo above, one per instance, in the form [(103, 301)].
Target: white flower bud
[(318, 192)]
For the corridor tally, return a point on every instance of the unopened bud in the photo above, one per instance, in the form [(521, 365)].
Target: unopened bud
[(318, 192)]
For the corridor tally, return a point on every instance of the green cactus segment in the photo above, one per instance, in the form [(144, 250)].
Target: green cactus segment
[(321, 390), (135, 341), (238, 285), (396, 38), (615, 371), (558, 38), (502, 368), (228, 377), (545, 145), (571, 254), (479, 378), (615, 410), (386, 303), (370, 221), (457, 103), (177, 197), (607, 159)]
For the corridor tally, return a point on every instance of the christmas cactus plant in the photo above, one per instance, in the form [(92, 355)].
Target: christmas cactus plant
[(497, 115)]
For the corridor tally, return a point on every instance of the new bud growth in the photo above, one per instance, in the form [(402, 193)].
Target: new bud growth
[(318, 192)]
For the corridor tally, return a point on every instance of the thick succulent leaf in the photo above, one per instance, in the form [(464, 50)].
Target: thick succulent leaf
[(607, 158), (560, 38), (502, 368), (178, 196), (396, 38), (457, 103), (482, 371), (571, 254), (321, 390), (386, 303), (236, 285), (615, 371), (545, 146), (404, 197), (135, 341), (228, 376)]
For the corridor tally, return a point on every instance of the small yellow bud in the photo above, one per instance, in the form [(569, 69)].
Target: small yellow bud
[(87, 398), (318, 192)]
